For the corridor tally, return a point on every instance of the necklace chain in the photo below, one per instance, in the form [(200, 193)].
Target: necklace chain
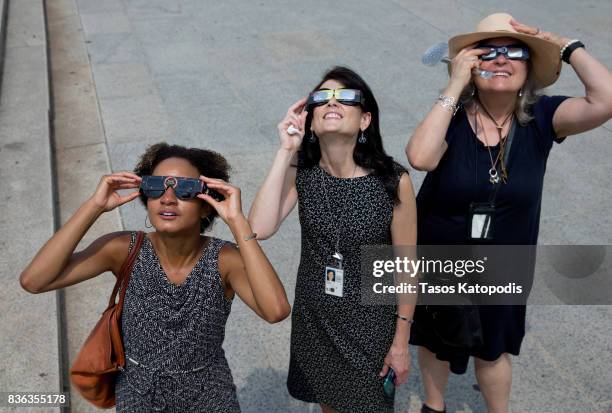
[(493, 177), (337, 243)]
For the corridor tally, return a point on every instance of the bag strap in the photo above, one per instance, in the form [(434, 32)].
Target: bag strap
[(124, 273), (509, 140)]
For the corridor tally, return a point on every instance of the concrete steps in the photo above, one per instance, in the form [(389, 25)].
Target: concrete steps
[(82, 158), (30, 332), (52, 154)]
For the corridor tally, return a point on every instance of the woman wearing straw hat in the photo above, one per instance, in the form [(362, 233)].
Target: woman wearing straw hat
[(466, 149)]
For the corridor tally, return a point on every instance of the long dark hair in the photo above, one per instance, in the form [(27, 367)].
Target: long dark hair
[(369, 155)]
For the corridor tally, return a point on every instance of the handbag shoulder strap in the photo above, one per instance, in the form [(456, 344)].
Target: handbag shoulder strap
[(126, 269)]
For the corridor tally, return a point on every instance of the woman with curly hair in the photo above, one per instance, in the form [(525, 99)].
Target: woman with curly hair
[(182, 283)]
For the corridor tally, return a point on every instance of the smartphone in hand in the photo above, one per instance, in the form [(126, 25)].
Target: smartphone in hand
[(389, 384)]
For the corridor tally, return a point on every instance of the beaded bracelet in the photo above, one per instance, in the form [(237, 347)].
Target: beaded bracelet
[(448, 103), (568, 49)]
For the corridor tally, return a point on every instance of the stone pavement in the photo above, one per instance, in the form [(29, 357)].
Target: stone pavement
[(29, 351), (221, 75)]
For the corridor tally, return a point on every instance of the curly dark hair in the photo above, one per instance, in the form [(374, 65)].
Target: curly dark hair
[(208, 163), (369, 155)]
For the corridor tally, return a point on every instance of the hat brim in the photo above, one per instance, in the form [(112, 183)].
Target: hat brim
[(545, 55)]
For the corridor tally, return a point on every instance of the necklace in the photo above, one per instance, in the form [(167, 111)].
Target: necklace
[(493, 175), (336, 255)]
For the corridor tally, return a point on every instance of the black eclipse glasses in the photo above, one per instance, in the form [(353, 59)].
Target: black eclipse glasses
[(184, 188), (351, 97), (512, 52)]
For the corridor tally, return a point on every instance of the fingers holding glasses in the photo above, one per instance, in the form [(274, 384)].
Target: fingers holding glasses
[(225, 189), (106, 196), (128, 174), (229, 208), (463, 63), (209, 181), (219, 185), (121, 177)]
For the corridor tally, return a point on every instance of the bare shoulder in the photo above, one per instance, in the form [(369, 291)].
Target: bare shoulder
[(114, 247), (405, 188)]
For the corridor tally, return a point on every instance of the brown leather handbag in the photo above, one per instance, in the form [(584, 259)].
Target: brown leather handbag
[(97, 365)]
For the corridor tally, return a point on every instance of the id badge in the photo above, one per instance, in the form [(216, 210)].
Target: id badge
[(480, 221), (334, 281)]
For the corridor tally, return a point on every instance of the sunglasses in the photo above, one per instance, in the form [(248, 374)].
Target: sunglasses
[(184, 188), (512, 52), (350, 97)]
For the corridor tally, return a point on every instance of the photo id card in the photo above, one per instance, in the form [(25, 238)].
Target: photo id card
[(480, 221), (334, 280)]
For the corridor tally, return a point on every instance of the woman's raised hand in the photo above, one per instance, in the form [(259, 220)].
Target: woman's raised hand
[(296, 117), (106, 196), (463, 64), (534, 31), (231, 207)]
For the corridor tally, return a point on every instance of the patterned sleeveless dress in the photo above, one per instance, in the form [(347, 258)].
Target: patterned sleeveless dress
[(173, 336), (338, 345)]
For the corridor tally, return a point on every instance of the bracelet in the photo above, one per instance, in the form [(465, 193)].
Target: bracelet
[(568, 49), (448, 103), (250, 236), (406, 319)]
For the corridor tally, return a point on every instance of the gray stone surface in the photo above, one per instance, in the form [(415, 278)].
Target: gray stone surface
[(222, 74), (82, 158), (3, 21), (29, 339)]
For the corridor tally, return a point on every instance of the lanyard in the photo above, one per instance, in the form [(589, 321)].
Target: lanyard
[(337, 255)]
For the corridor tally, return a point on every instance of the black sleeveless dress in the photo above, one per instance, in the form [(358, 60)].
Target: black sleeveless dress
[(173, 336), (443, 202), (337, 344)]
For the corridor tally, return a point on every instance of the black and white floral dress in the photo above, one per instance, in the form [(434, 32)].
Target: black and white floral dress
[(173, 336), (338, 345)]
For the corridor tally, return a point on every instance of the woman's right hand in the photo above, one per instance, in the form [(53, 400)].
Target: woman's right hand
[(463, 64), (106, 196), (296, 117)]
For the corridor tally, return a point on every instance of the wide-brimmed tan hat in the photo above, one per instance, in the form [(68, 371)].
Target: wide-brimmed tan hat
[(545, 55)]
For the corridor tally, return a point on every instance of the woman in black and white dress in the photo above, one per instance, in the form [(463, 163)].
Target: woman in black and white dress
[(181, 287), (350, 194)]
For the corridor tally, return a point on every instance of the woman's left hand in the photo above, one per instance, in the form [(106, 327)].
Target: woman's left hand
[(397, 358), (534, 31), (231, 207)]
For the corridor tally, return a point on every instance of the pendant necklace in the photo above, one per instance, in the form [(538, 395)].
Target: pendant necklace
[(494, 177), (336, 255)]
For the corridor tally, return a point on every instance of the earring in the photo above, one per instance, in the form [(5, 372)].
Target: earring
[(521, 92), (312, 138), (473, 90), (362, 138), (147, 221), (208, 221)]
